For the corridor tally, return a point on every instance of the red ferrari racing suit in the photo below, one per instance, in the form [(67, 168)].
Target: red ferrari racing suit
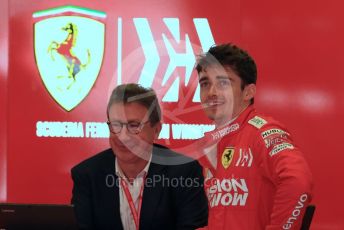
[(261, 179)]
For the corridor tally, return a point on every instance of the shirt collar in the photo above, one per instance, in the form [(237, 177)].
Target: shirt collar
[(144, 172)]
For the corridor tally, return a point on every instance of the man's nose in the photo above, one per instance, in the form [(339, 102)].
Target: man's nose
[(124, 135), (212, 90)]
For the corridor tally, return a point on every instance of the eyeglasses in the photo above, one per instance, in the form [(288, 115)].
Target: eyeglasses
[(132, 127)]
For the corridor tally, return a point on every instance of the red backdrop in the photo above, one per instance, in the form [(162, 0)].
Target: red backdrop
[(298, 47)]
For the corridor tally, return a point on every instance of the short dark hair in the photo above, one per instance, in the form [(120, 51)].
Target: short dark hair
[(135, 93), (232, 56)]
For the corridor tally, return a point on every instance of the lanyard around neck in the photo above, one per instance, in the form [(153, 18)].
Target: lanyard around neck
[(134, 212)]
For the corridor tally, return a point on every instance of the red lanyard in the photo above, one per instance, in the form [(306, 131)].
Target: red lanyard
[(134, 212)]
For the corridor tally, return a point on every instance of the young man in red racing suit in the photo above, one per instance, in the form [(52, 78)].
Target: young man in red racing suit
[(255, 176)]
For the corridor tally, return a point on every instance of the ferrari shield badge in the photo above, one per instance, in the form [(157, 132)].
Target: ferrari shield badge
[(69, 52), (227, 157)]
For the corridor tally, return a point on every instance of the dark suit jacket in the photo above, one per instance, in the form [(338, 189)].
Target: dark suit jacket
[(178, 203)]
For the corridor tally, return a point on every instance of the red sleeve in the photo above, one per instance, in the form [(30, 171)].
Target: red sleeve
[(287, 168)]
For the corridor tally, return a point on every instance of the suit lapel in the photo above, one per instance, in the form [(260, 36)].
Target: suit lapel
[(151, 195), (108, 181)]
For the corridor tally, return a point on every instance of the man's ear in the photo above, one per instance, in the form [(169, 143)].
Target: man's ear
[(157, 128), (249, 92)]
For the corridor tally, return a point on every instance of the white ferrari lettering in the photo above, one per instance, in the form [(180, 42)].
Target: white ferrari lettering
[(59, 129)]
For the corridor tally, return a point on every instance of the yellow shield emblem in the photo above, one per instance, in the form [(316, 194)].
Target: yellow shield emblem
[(227, 157), (69, 52)]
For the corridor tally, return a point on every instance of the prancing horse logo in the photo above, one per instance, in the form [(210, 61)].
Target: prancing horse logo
[(69, 52), (65, 49), (227, 156)]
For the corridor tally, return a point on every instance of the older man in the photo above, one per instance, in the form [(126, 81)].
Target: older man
[(138, 184)]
